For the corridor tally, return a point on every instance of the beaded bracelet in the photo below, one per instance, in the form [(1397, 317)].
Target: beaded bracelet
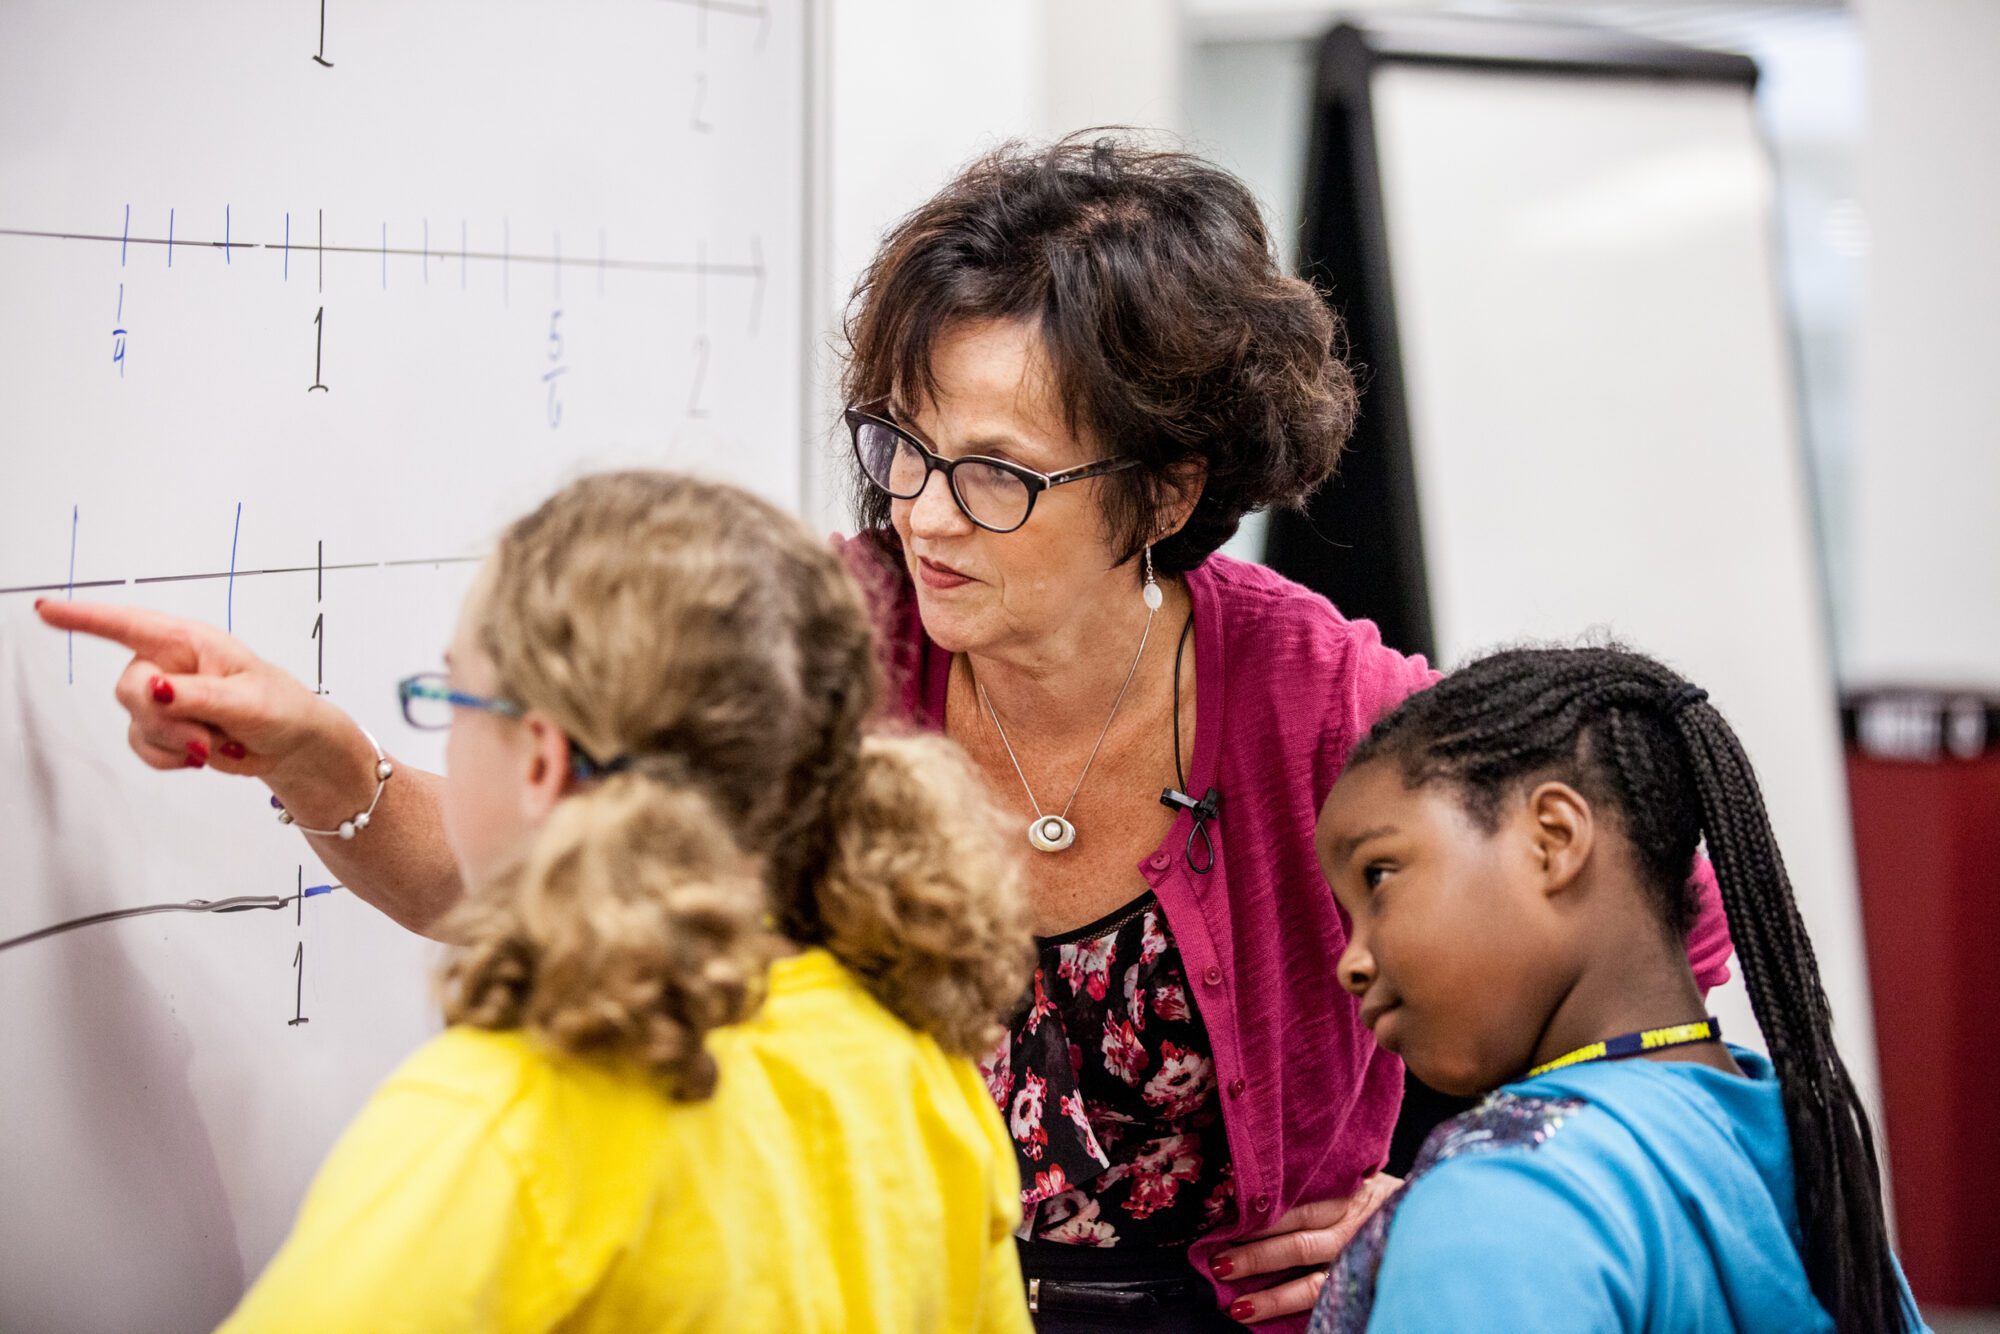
[(348, 828)]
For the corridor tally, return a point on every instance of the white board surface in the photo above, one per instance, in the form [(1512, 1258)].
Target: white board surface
[(513, 242), (1604, 425)]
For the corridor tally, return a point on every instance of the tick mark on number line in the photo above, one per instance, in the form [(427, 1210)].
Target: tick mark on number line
[(225, 235), (170, 238), (124, 236), (288, 247)]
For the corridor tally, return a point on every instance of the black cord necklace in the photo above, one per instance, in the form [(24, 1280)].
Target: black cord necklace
[(1176, 798)]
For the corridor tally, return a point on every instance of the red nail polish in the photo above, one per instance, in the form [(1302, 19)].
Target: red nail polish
[(194, 763), (39, 602), (1241, 1311), (163, 690), (197, 753), (1222, 1266), (234, 750)]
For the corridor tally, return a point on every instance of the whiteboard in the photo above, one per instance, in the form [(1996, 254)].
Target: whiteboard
[(1603, 419), (302, 303)]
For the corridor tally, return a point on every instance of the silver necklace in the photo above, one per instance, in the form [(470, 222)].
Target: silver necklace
[(1053, 833)]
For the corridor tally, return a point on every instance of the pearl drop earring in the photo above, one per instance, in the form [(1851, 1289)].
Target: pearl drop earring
[(1151, 592)]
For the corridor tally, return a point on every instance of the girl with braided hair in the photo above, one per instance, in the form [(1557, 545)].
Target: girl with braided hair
[(1512, 846)]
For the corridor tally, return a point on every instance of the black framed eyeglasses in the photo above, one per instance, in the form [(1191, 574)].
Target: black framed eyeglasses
[(995, 494)]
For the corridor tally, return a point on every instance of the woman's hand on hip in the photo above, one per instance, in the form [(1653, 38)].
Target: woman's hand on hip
[(198, 698), (1307, 1238)]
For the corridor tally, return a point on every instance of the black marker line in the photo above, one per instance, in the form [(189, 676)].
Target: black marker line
[(240, 903), (248, 574), (433, 560), (322, 250), (504, 256), (66, 587)]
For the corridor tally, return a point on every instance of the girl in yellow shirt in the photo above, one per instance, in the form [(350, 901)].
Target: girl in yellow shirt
[(723, 959)]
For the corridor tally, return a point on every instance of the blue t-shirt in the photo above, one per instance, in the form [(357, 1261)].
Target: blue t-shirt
[(1615, 1195)]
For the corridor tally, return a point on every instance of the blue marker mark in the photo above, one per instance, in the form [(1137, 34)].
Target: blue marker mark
[(118, 334), (71, 594), (230, 622), (170, 238), (125, 237), (311, 890), (385, 256), (288, 247), (225, 234)]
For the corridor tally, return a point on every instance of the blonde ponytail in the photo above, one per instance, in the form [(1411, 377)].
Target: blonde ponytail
[(627, 929), (723, 655), (921, 897)]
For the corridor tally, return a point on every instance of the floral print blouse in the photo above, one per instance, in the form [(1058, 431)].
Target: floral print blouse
[(1107, 1084)]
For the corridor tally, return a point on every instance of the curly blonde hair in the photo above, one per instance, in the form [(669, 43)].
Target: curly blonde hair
[(726, 656)]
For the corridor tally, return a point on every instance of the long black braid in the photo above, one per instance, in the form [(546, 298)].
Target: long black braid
[(1633, 737)]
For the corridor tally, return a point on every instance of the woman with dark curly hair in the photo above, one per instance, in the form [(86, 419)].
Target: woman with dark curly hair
[(1071, 374)]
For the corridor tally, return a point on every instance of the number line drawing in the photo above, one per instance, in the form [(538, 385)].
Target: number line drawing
[(240, 903), (506, 256), (240, 574)]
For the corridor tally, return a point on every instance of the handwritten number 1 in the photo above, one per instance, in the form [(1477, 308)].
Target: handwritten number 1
[(319, 341), (321, 57)]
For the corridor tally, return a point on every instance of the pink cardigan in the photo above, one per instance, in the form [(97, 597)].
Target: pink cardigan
[(1285, 688)]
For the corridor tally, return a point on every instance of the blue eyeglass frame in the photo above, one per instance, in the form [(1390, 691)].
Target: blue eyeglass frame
[(436, 686), (875, 414)]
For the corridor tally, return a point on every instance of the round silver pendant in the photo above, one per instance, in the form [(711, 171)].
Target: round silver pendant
[(1051, 833)]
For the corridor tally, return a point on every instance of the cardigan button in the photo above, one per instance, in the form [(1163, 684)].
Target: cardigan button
[(1236, 1087), (1212, 975), (1158, 861), (1261, 1205)]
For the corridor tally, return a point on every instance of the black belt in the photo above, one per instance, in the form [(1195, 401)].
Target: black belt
[(1088, 1280), (1114, 1297)]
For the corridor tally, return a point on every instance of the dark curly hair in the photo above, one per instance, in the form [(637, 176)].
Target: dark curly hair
[(1637, 739), (1173, 334)]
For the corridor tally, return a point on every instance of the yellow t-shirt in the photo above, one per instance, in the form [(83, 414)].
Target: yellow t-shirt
[(847, 1175)]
